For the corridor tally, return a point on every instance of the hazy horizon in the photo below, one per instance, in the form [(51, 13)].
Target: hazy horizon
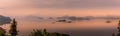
[(59, 7), (47, 14)]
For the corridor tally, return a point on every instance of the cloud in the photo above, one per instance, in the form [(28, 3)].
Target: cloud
[(11, 4), (73, 3)]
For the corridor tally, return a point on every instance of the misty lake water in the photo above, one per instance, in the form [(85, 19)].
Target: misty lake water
[(78, 28)]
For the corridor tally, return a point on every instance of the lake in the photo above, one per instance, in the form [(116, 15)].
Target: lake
[(77, 28)]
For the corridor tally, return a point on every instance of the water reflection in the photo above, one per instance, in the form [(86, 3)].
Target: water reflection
[(78, 28)]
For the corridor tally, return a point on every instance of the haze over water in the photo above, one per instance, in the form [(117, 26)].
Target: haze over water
[(80, 28), (55, 8)]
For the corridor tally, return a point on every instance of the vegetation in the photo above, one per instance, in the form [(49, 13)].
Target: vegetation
[(118, 34), (13, 31), (45, 33), (2, 33), (13, 28)]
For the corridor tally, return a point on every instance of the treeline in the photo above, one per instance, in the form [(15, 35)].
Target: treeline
[(118, 33), (45, 33), (13, 31)]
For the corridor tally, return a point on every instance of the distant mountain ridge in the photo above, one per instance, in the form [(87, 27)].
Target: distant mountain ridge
[(4, 20), (76, 18)]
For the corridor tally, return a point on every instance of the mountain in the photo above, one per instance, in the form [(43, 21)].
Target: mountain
[(4, 20)]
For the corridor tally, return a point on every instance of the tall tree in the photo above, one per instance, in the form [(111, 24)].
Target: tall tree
[(13, 28), (118, 34), (45, 33)]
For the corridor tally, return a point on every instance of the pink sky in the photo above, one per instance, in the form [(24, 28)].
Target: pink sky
[(55, 8)]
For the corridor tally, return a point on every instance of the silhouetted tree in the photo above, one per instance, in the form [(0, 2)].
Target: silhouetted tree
[(58, 34), (45, 33), (2, 33), (118, 34), (13, 28), (36, 33)]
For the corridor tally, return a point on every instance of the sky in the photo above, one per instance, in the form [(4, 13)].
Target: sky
[(59, 7)]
